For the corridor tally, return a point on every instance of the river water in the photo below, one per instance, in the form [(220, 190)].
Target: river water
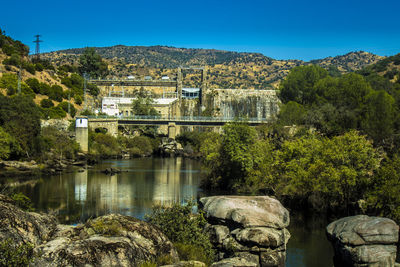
[(78, 196)]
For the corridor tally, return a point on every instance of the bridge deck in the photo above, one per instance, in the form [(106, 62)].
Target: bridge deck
[(188, 121)]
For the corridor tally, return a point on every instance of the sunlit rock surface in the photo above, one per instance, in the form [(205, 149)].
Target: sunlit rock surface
[(364, 241), (247, 230)]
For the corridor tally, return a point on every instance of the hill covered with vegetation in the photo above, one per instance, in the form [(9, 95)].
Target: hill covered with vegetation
[(225, 69)]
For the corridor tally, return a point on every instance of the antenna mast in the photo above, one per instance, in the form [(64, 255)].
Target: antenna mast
[(37, 41)]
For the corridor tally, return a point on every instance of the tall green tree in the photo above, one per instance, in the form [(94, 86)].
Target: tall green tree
[(338, 170), (379, 116), (20, 117), (299, 84), (91, 63)]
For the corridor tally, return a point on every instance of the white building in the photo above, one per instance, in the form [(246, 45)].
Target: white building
[(122, 106)]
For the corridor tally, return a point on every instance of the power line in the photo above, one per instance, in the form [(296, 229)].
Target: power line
[(37, 41)]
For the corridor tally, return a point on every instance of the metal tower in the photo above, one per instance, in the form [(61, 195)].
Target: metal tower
[(37, 41)]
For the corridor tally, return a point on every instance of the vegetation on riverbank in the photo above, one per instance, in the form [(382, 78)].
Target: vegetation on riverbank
[(339, 154), (185, 229)]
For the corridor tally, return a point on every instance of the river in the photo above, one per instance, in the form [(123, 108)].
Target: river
[(143, 182)]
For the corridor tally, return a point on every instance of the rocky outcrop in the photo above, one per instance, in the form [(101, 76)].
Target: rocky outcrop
[(24, 227), (111, 240), (364, 241), (169, 147), (247, 231)]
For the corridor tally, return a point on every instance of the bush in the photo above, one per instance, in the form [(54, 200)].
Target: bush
[(22, 201), (64, 106), (184, 229), (46, 103), (45, 89), (78, 100), (39, 67), (33, 84), (56, 93), (138, 145), (15, 255), (105, 227)]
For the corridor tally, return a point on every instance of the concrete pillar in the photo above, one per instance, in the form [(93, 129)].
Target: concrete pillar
[(81, 133), (171, 130)]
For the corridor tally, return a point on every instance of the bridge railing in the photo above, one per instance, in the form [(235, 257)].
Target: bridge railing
[(180, 118)]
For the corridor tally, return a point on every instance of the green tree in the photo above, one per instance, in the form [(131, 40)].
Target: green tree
[(60, 142), (9, 147), (379, 116), (46, 103), (91, 63), (241, 161), (291, 113), (299, 84), (20, 117), (337, 170), (34, 84), (56, 93), (143, 105), (383, 198)]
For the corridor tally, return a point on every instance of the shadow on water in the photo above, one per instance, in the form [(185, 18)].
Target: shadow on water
[(308, 245)]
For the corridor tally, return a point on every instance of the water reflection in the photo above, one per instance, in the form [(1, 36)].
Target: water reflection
[(75, 197)]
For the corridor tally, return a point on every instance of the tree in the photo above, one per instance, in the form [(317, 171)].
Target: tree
[(91, 63), (379, 116), (299, 84), (9, 147), (291, 113), (240, 161), (383, 197), (143, 105), (56, 93), (34, 84), (338, 170), (20, 117), (46, 103)]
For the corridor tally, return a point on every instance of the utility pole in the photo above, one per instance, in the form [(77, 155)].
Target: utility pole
[(84, 90), (69, 102), (37, 41), (19, 80)]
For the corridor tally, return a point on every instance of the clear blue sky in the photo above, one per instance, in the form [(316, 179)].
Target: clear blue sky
[(281, 29)]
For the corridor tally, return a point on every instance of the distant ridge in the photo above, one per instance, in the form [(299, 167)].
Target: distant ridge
[(226, 69)]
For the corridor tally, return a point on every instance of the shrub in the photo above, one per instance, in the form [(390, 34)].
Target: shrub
[(23, 201), (15, 255), (33, 84), (46, 103), (56, 93), (105, 227), (184, 229), (78, 100)]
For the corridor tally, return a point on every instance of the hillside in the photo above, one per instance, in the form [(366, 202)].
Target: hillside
[(50, 88), (225, 69)]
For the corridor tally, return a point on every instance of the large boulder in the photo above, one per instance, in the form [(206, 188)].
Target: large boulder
[(111, 240), (24, 227), (248, 211), (364, 241), (247, 230)]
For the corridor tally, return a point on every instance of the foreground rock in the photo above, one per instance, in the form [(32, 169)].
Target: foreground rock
[(24, 227), (247, 231), (111, 240), (364, 241)]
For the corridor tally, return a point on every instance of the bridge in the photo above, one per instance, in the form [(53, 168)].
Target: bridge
[(111, 123), (172, 124)]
